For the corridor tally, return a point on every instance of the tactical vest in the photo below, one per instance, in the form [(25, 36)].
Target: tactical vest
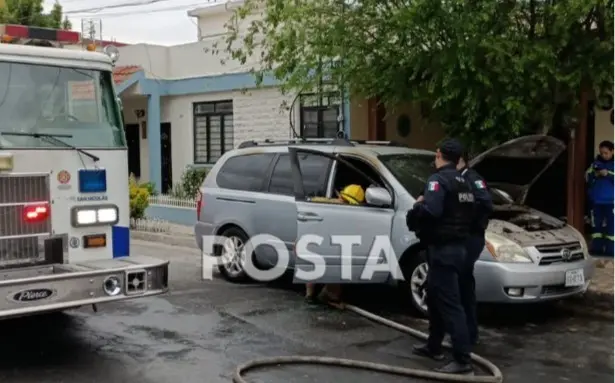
[(456, 220)]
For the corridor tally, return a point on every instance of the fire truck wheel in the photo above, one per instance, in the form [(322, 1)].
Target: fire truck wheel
[(233, 255)]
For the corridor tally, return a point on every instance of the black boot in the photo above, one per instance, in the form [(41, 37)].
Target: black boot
[(455, 367), (426, 352)]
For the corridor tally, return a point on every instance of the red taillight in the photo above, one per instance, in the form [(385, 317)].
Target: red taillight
[(199, 204), (36, 213)]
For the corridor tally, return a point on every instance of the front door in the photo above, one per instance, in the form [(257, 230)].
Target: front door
[(134, 149), (333, 223), (165, 157)]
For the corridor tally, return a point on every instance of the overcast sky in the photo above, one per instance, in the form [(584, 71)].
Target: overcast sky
[(163, 22)]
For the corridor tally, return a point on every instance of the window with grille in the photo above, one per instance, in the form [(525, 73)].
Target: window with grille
[(319, 114), (213, 130)]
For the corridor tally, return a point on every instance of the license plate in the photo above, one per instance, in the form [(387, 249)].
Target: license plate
[(575, 278)]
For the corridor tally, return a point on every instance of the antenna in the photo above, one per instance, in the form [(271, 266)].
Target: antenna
[(91, 30)]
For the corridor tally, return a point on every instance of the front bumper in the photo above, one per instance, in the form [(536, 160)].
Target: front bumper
[(539, 283), (27, 291)]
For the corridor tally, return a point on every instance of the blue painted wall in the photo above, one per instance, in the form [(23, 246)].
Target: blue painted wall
[(178, 215)]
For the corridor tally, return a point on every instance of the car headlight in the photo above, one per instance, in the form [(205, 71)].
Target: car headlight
[(505, 250), (94, 215), (581, 239)]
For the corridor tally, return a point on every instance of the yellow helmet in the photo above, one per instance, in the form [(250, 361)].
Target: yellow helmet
[(353, 194)]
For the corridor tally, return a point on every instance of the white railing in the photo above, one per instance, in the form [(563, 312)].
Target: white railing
[(153, 225), (167, 200)]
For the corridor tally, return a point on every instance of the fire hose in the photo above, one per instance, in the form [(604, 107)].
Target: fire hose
[(494, 377)]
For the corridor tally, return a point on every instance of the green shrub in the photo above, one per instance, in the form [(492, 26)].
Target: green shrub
[(178, 192), (192, 180), (150, 186), (139, 199)]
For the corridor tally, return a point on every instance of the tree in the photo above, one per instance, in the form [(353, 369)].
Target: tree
[(30, 12), (490, 69)]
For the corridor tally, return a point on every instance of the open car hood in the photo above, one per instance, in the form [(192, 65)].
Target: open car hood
[(516, 165)]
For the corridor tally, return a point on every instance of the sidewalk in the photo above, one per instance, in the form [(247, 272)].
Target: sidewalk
[(165, 232)]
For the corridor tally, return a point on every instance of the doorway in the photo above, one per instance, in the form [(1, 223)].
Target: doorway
[(165, 158), (134, 149)]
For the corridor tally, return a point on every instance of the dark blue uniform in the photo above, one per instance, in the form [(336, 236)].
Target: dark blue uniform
[(442, 221), (601, 190), (474, 246)]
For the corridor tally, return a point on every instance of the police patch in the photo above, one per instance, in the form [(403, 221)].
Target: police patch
[(480, 184), (434, 186)]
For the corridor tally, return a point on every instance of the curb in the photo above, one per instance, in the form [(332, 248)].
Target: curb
[(168, 239)]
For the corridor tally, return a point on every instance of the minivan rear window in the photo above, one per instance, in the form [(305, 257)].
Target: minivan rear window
[(246, 172)]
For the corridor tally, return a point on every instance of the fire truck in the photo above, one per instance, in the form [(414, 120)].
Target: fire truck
[(64, 198)]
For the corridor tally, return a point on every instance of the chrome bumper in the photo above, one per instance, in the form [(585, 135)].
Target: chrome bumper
[(33, 290)]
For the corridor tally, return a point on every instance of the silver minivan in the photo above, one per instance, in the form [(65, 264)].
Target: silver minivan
[(269, 188)]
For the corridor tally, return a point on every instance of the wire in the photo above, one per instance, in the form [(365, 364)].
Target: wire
[(132, 4), (118, 5), (139, 12)]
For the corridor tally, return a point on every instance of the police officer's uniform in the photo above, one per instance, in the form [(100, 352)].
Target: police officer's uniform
[(442, 221), (474, 247)]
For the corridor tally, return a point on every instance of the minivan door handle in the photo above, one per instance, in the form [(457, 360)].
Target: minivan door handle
[(306, 216)]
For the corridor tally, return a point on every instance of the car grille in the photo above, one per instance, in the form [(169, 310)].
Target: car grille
[(20, 241), (558, 289), (551, 254)]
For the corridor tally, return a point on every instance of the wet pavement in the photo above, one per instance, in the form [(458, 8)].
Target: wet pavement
[(203, 329)]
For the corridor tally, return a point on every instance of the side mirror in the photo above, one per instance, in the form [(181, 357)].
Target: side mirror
[(377, 196)]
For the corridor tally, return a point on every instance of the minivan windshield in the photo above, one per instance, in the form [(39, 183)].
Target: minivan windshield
[(413, 169), (45, 99)]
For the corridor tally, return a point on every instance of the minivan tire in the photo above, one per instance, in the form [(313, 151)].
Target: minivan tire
[(238, 275), (415, 267)]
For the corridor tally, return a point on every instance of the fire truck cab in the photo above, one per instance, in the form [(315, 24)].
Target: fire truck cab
[(64, 200)]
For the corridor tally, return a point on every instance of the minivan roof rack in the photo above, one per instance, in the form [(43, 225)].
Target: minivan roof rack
[(317, 141)]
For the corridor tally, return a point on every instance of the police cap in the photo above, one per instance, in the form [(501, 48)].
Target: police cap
[(451, 149)]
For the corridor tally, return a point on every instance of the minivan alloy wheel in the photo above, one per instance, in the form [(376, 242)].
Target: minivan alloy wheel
[(234, 255), (418, 285)]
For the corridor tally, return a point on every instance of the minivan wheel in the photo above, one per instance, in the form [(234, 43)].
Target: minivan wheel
[(415, 284), (233, 255)]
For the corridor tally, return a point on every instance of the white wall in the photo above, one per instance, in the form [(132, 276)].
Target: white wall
[(154, 59), (130, 105), (193, 59), (257, 115)]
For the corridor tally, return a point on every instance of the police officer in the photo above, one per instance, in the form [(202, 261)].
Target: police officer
[(475, 243), (442, 218)]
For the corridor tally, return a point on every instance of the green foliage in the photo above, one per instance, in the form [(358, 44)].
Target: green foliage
[(139, 199), (491, 69), (30, 12), (191, 182), (178, 192), (150, 186)]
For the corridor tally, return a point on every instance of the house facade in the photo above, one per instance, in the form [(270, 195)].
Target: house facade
[(183, 108)]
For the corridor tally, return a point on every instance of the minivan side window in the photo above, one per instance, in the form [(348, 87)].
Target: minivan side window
[(314, 169), (282, 178), (247, 172)]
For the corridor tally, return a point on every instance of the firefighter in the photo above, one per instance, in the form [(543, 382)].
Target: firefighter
[(442, 218), (599, 178), (475, 243), (351, 195)]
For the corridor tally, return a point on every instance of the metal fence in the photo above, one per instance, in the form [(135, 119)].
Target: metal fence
[(166, 200)]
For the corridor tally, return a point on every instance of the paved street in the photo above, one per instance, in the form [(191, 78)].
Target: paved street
[(203, 329)]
